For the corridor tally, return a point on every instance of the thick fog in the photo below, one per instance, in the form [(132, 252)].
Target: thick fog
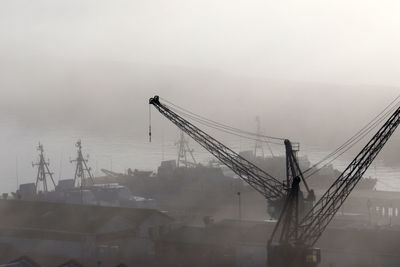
[(315, 72), (332, 41)]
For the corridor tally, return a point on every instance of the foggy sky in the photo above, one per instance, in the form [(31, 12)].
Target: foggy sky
[(331, 41), (314, 71)]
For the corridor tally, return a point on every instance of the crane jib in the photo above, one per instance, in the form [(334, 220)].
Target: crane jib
[(261, 181), (303, 234), (314, 223)]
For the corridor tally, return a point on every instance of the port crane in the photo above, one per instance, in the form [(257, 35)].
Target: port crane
[(294, 235), (272, 189), (293, 245)]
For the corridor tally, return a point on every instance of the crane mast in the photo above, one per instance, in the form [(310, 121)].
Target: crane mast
[(271, 188), (297, 238), (294, 235), (316, 220)]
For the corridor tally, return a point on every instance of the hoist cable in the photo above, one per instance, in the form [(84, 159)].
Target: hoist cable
[(222, 129), (218, 124), (354, 139)]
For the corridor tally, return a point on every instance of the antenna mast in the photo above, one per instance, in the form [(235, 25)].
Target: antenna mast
[(43, 171), (183, 149), (82, 171), (258, 144)]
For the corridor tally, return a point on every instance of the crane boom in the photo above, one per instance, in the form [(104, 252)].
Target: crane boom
[(271, 188), (316, 220)]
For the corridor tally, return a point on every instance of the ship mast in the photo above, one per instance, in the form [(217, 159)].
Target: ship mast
[(258, 146), (43, 171), (183, 150), (82, 171)]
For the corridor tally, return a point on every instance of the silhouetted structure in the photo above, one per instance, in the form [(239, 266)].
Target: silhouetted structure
[(43, 171), (82, 171), (183, 150), (57, 232)]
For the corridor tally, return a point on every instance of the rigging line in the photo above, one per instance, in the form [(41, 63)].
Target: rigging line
[(220, 129), (149, 123), (269, 148), (371, 127), (376, 118), (226, 130), (388, 185), (317, 170), (233, 133), (224, 127), (354, 137), (220, 124)]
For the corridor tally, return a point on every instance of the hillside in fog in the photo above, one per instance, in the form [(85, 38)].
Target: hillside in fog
[(92, 65), (112, 98)]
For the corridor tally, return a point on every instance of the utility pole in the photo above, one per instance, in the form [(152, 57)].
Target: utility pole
[(369, 211), (60, 170), (240, 206)]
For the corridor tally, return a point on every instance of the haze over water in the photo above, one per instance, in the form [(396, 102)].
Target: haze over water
[(118, 153), (315, 72)]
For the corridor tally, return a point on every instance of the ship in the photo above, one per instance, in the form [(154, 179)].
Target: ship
[(172, 178), (185, 186), (321, 179), (80, 190)]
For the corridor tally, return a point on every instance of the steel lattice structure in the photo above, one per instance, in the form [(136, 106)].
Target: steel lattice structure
[(43, 171), (316, 220), (292, 240), (271, 188), (81, 168)]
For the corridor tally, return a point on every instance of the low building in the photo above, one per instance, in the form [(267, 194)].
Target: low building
[(243, 243), (226, 243), (52, 233), (21, 262), (71, 263)]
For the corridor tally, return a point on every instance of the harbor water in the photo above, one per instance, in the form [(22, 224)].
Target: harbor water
[(118, 152)]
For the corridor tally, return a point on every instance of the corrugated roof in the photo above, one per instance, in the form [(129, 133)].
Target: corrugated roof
[(21, 262), (71, 263)]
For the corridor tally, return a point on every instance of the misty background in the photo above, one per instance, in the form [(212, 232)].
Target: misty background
[(314, 72)]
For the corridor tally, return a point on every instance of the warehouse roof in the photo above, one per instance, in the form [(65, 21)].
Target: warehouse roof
[(69, 217)]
